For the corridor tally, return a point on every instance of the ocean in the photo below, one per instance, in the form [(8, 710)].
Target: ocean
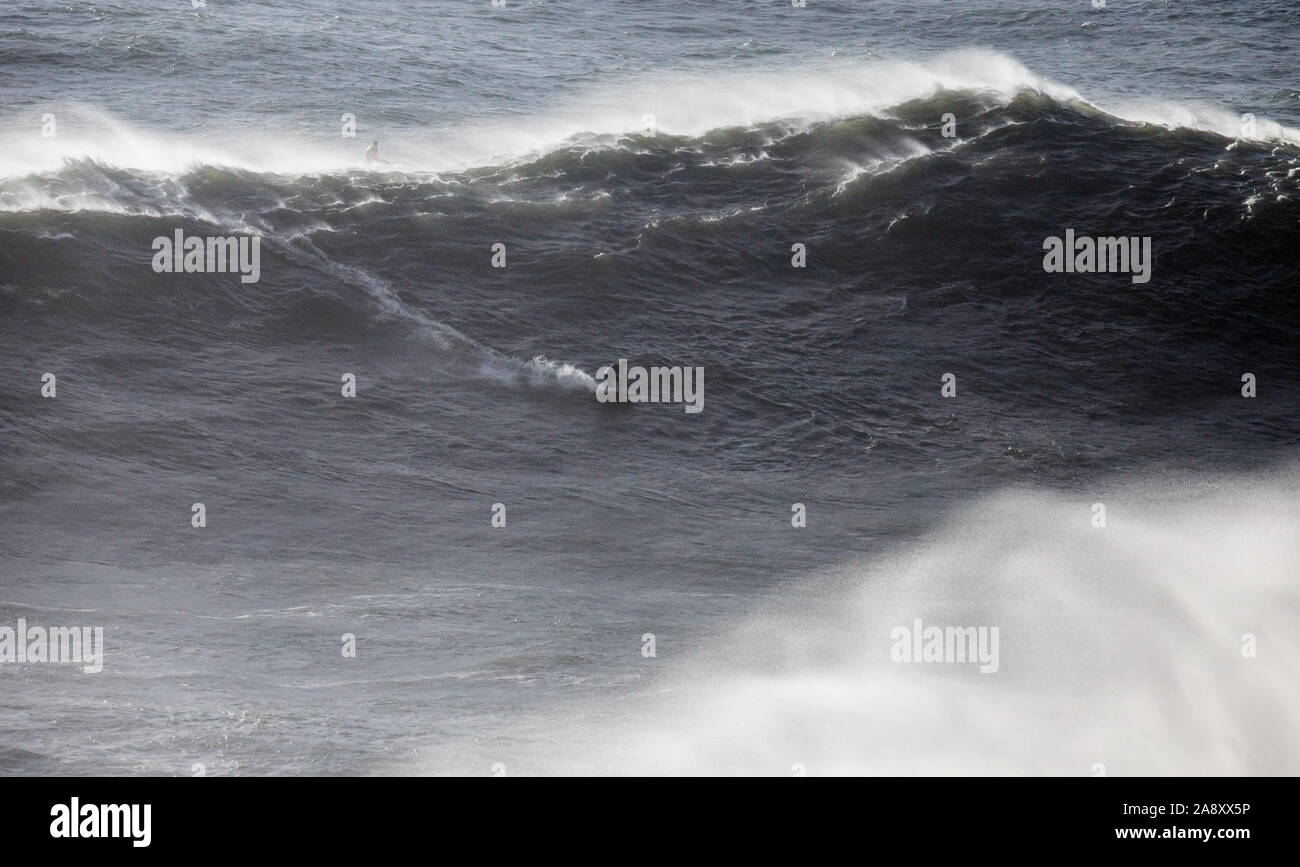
[(426, 544)]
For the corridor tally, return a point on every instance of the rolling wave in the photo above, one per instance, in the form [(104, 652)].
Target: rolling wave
[(856, 160), (675, 105)]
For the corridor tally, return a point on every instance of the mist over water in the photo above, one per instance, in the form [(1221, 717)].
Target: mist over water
[(600, 115), (648, 172), (1120, 646)]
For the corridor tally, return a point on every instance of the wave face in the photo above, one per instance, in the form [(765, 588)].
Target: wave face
[(631, 240), (649, 176)]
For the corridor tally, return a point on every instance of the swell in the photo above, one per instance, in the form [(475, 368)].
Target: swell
[(923, 249), (895, 180)]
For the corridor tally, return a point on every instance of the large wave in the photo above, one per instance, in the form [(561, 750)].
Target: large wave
[(853, 156)]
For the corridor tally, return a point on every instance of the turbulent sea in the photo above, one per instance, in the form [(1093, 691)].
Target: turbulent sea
[(648, 168)]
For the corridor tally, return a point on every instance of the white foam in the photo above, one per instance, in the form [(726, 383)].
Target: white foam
[(88, 132), (1195, 115), (685, 104), (1120, 646)]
